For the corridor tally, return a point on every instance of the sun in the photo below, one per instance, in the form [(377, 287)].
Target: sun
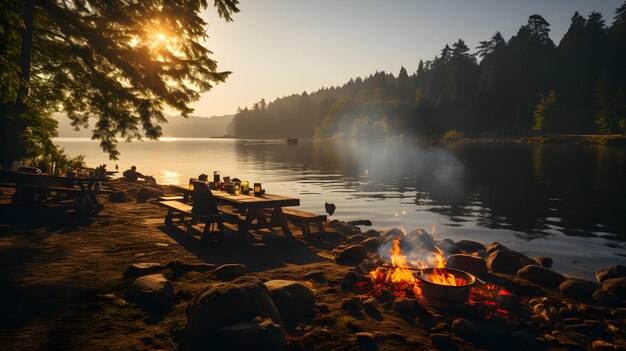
[(160, 37)]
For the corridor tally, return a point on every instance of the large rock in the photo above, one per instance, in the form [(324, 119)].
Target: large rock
[(421, 236), (144, 194), (136, 270), (294, 300), (468, 263), (544, 261), (256, 335), (372, 233), (351, 255), (615, 286), (231, 271), (506, 261), (464, 327), (225, 304), (447, 246), (469, 246), (617, 271), (366, 341), (180, 267), (605, 298), (578, 288), (118, 196), (152, 290), (372, 244), (541, 275), (395, 232)]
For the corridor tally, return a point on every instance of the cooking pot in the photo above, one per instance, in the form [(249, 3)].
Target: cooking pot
[(447, 295)]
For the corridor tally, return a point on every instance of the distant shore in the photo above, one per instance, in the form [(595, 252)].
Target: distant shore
[(612, 140)]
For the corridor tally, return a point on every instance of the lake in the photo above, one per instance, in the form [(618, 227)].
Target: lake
[(563, 201)]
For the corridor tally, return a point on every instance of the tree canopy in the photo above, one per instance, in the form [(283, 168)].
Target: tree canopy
[(582, 80), (120, 63)]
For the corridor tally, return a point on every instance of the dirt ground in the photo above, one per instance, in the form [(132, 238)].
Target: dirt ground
[(61, 284)]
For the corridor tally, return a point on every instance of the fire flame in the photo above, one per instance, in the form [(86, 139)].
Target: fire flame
[(400, 277)]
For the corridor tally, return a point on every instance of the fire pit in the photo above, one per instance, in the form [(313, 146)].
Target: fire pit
[(446, 287)]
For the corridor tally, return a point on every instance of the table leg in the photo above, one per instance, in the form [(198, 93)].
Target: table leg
[(279, 219)]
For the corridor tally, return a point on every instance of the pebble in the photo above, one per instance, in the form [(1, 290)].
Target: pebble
[(464, 327), (601, 345)]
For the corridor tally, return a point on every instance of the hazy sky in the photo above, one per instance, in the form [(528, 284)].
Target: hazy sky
[(280, 47)]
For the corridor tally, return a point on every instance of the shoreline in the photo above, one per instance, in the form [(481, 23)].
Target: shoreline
[(77, 273)]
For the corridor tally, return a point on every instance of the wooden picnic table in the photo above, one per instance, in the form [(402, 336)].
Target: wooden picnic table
[(256, 208), (86, 199), (84, 190)]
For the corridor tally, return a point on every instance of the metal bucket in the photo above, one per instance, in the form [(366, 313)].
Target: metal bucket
[(447, 295)]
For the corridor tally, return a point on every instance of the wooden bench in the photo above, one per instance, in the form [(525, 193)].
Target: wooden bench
[(304, 218), (179, 211), (171, 198)]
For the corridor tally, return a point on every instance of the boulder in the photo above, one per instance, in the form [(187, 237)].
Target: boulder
[(136, 270), (179, 267), (351, 255), (615, 286), (371, 308), (118, 196), (464, 327), (541, 275), (152, 290), (601, 345), (348, 281), (365, 222), (315, 276), (469, 246), (578, 288), (231, 271), (372, 244), (225, 304), (405, 306), (366, 341), (504, 261), (395, 232), (617, 271), (144, 194), (372, 233), (448, 247), (544, 261), (605, 298), (420, 235), (468, 263), (357, 238), (294, 300), (260, 334)]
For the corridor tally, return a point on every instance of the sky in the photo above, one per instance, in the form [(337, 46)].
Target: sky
[(280, 47)]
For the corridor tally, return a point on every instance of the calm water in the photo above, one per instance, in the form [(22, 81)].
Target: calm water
[(563, 201)]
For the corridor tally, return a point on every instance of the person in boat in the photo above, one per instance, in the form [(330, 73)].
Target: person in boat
[(131, 175)]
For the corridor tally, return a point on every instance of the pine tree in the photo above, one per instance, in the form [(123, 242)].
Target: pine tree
[(120, 63), (545, 115)]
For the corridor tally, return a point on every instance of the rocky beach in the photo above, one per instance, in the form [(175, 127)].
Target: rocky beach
[(122, 280)]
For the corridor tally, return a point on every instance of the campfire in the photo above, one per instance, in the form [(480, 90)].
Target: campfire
[(431, 283)]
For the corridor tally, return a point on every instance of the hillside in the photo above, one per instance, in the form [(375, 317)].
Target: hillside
[(177, 127)]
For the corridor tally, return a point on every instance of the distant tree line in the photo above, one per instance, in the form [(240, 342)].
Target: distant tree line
[(505, 88)]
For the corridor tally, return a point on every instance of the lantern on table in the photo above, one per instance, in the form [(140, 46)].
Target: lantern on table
[(245, 187)]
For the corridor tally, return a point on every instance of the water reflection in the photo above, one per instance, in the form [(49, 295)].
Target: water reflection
[(534, 190)]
